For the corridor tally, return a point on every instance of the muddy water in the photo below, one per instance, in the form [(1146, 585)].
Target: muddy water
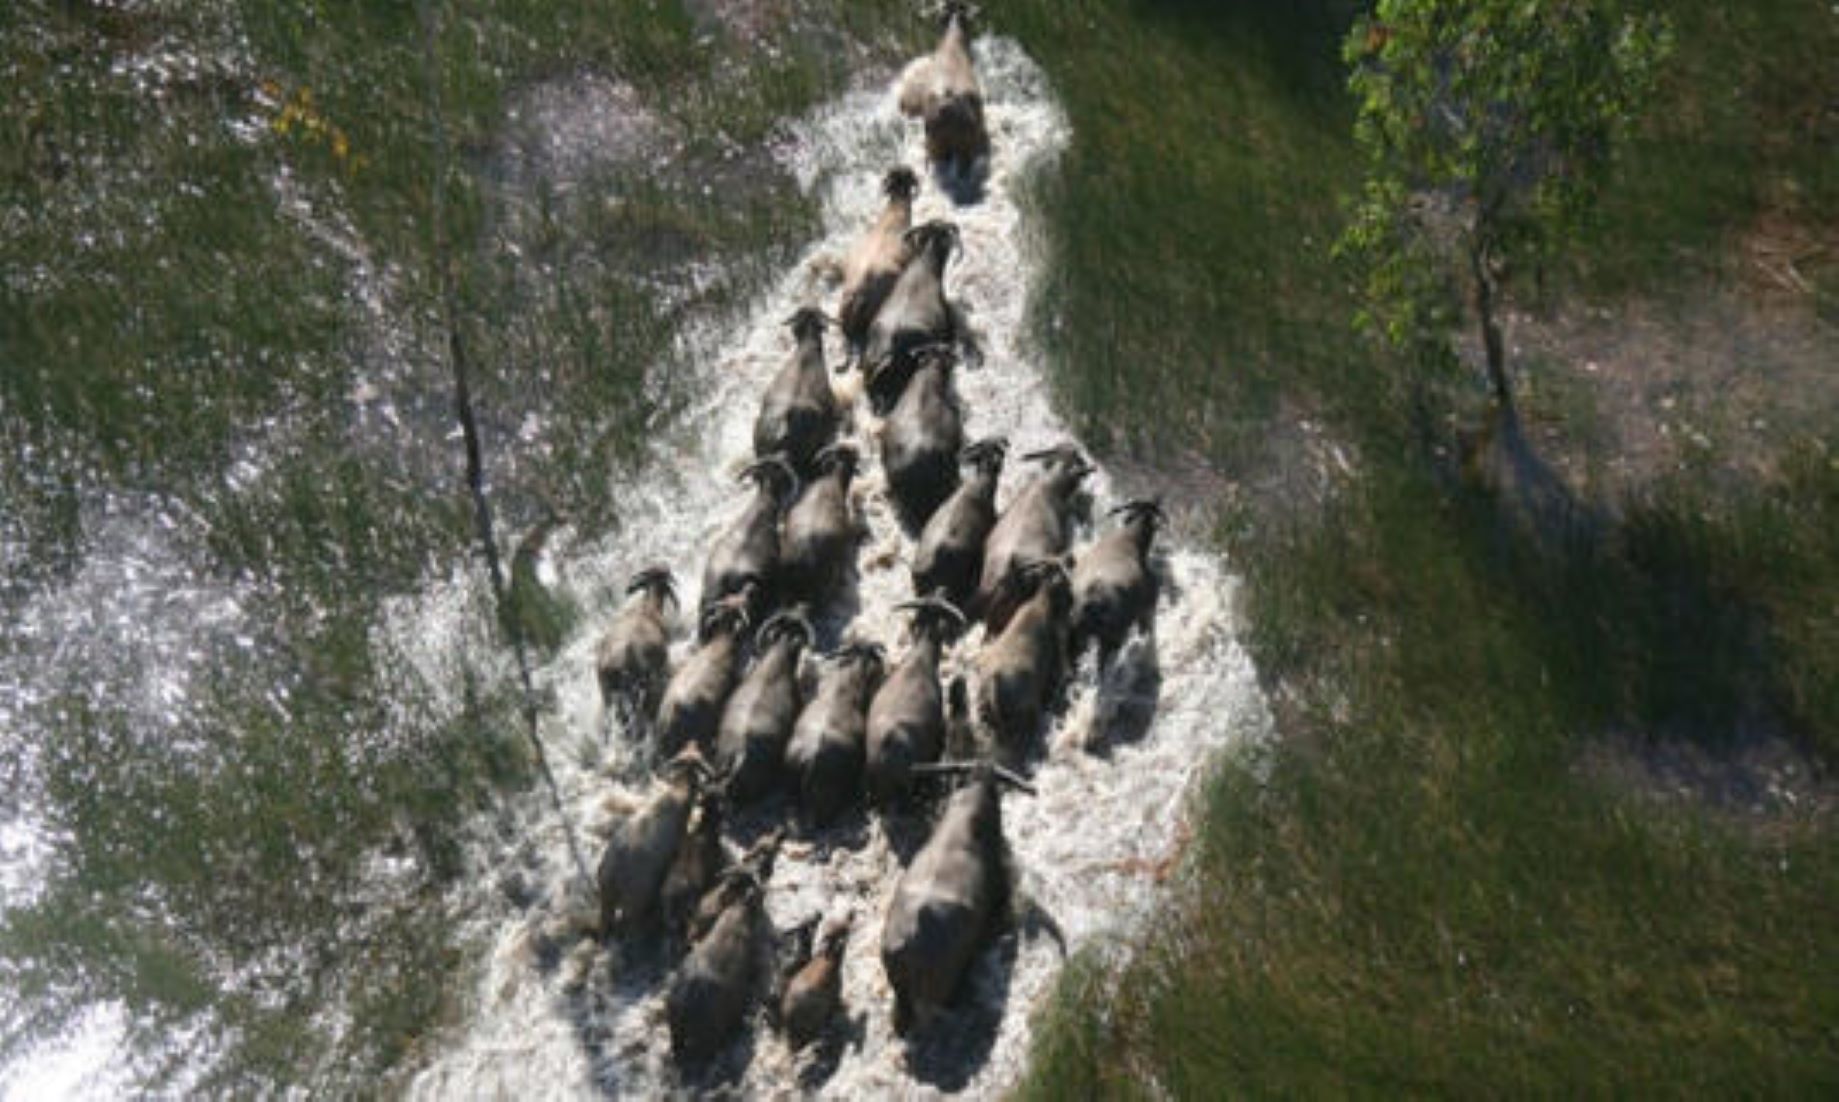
[(553, 1012)]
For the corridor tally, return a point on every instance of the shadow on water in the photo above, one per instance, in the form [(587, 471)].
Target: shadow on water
[(949, 1052), (824, 1055), (1129, 693), (964, 186), (907, 830), (628, 973)]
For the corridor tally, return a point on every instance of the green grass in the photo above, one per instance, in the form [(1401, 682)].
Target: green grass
[(1422, 894), (1202, 188), (164, 312), (1742, 133), (1422, 887)]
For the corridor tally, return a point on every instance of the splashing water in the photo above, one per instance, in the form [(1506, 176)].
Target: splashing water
[(1089, 849)]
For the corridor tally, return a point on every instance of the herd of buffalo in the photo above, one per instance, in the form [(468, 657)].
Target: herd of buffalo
[(735, 724)]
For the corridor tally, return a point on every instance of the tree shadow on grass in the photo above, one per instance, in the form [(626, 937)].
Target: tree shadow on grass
[(1648, 610)]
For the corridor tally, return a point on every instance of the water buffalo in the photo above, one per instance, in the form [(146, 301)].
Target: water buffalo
[(942, 89), (921, 438), (1037, 525), (950, 551), (696, 695), (906, 721), (1113, 585), (815, 990), (750, 744), (916, 314), (820, 535), (950, 900), (700, 861), (799, 414), (756, 865), (963, 741), (1020, 670), (633, 658), (827, 747), (874, 263), (720, 979), (748, 552), (644, 846)]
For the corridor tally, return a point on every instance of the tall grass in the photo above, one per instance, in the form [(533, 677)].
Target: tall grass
[(196, 201), (1430, 884)]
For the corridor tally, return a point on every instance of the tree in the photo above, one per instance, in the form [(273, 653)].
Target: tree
[(1487, 127)]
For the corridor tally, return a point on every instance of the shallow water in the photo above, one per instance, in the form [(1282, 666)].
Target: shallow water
[(1090, 848)]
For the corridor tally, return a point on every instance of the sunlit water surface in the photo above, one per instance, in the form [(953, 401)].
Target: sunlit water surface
[(1090, 848)]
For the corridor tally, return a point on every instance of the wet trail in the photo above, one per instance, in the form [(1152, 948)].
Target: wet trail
[(551, 1010)]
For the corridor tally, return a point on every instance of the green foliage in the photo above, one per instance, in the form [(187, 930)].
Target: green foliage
[(1487, 129)]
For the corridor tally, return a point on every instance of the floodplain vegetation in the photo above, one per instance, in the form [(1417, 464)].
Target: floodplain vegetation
[(1546, 809)]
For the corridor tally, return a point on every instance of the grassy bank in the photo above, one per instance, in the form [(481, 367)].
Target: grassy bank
[(223, 372), (1432, 883)]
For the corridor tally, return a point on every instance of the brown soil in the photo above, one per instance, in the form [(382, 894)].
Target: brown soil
[(1618, 398)]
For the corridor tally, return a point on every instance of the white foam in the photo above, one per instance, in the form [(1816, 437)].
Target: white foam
[(1090, 848)]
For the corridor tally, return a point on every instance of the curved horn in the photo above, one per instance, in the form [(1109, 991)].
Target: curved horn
[(690, 757), (808, 313), (1008, 777), (1036, 569), (989, 445), (650, 576), (958, 768), (938, 606), (854, 651), (734, 605), (938, 352), (946, 768), (770, 462), (787, 620), (1151, 506), (901, 182), (838, 453)]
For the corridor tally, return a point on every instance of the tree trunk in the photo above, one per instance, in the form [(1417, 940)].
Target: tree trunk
[(1487, 292)]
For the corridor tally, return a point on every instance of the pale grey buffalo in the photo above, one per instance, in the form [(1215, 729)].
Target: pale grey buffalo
[(644, 846), (828, 742), (951, 899), (633, 658), (757, 722), (949, 554), (799, 414), (1114, 587), (906, 720), (1037, 525)]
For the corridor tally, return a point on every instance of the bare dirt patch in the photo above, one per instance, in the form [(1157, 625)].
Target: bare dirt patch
[(1762, 780), (1618, 398)]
